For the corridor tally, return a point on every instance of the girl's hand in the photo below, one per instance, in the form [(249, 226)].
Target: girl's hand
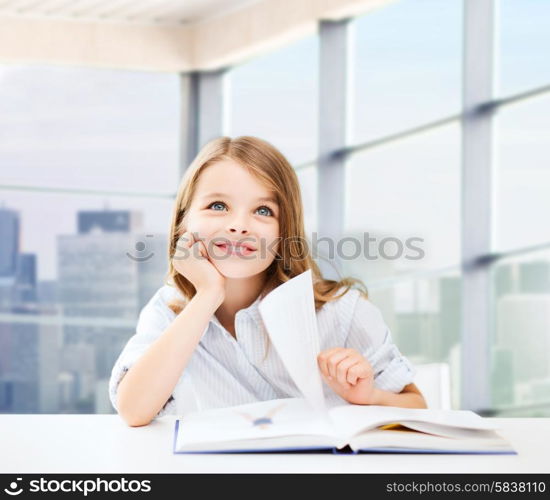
[(191, 260), (348, 374)]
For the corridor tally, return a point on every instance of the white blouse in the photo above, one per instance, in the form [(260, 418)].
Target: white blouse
[(224, 371)]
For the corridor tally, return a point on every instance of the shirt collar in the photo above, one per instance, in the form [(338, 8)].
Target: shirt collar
[(252, 311)]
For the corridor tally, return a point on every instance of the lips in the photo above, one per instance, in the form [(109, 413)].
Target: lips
[(236, 247)]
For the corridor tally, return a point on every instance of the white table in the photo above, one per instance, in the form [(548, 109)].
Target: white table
[(105, 444)]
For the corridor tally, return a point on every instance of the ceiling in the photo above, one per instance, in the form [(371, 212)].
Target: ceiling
[(161, 35), (159, 12)]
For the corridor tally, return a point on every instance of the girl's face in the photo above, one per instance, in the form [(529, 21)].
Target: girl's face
[(237, 217)]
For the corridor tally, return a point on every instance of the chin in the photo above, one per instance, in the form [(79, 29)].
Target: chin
[(240, 271)]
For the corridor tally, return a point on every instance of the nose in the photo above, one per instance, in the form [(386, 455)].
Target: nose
[(237, 229), (237, 225)]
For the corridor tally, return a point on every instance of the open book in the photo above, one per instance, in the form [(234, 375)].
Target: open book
[(306, 423), (291, 424)]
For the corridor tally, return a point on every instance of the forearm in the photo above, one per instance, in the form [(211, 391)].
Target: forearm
[(401, 399), (151, 380)]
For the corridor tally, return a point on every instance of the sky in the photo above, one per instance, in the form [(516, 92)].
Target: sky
[(118, 130)]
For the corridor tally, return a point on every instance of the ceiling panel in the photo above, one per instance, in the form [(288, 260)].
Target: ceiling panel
[(126, 11)]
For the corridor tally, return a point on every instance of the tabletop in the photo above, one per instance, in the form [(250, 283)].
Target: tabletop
[(106, 444)]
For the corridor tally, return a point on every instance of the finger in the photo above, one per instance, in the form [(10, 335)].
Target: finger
[(322, 366), (184, 247), (325, 377), (184, 236), (331, 382), (335, 358), (323, 357), (196, 250), (363, 370), (342, 369), (205, 250), (185, 240), (340, 354), (353, 373), (181, 250)]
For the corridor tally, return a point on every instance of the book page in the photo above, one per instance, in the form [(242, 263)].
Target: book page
[(447, 431), (353, 419), (288, 313), (412, 441), (278, 418)]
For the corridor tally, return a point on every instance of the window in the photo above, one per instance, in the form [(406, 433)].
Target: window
[(90, 168), (522, 177), (73, 128), (275, 98), (520, 348), (406, 196), (423, 315), (307, 177), (80, 146), (523, 43), (406, 66)]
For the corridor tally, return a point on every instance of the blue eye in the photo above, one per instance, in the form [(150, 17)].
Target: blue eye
[(270, 212), (266, 210), (216, 203)]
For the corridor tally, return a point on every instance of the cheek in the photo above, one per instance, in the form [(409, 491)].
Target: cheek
[(200, 225), (272, 239)]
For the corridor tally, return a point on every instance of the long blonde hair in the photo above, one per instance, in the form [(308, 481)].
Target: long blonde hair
[(268, 165)]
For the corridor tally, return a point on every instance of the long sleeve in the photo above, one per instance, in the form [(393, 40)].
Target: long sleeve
[(369, 334), (152, 322)]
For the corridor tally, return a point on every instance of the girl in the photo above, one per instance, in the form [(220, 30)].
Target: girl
[(237, 232)]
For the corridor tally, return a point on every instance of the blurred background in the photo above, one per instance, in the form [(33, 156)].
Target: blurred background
[(424, 121)]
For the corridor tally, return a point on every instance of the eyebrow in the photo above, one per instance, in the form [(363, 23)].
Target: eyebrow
[(225, 195)]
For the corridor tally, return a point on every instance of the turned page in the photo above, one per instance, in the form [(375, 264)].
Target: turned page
[(353, 419), (288, 313)]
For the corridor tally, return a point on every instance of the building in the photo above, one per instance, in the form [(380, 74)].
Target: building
[(29, 363), (105, 278), (9, 242), (109, 221)]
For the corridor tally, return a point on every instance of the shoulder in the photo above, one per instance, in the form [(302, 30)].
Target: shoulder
[(162, 298), (337, 317), (345, 302), (366, 309), (367, 324), (341, 308), (167, 293), (355, 312), (351, 303)]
